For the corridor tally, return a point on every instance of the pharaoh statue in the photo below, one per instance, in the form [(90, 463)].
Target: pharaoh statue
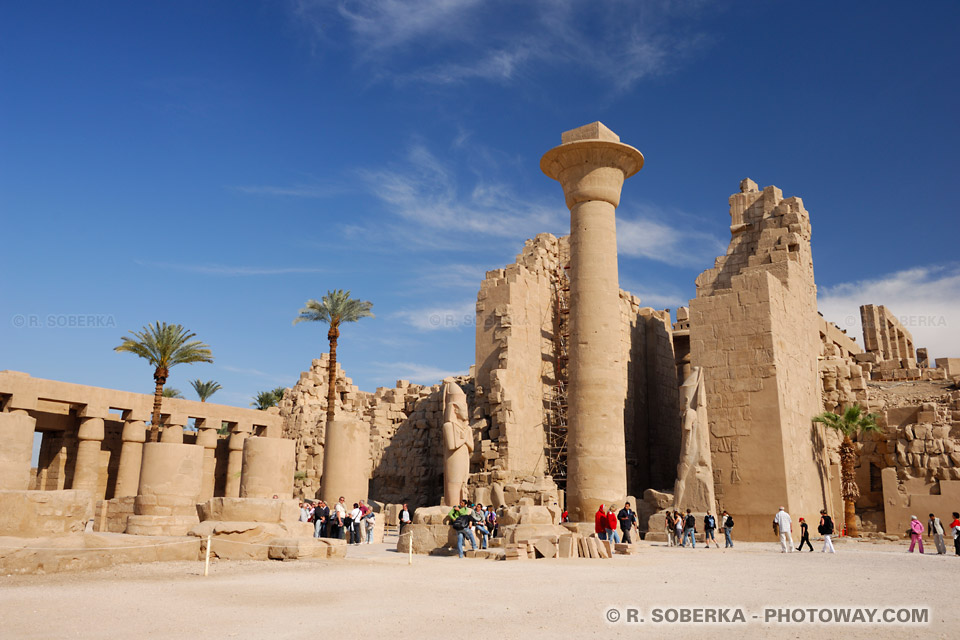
[(457, 443), (694, 487)]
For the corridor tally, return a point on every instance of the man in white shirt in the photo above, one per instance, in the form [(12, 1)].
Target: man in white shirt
[(340, 512), (782, 521), (404, 517)]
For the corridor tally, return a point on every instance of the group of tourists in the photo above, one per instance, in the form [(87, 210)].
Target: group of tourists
[(683, 527), (783, 526), (607, 523), (936, 531), (469, 520), (355, 525)]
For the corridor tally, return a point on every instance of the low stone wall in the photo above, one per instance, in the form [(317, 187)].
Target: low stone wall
[(85, 551), (44, 513)]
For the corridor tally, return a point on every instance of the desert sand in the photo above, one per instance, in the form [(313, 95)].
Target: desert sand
[(375, 593)]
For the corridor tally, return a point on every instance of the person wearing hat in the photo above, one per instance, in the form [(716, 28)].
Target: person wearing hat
[(916, 534), (804, 536)]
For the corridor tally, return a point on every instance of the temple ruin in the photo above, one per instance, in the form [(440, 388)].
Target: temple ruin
[(578, 395)]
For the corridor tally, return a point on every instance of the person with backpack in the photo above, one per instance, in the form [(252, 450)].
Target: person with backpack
[(461, 520), (826, 530), (628, 520), (916, 534), (804, 536), (726, 520), (354, 519), (709, 527), (689, 530)]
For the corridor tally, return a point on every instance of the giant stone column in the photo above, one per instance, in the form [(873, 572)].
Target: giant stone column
[(591, 164)]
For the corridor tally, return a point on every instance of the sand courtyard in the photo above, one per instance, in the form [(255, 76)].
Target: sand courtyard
[(375, 592)]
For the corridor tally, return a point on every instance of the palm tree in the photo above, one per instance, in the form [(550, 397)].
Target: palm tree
[(171, 392), (265, 399), (279, 392), (205, 389), (335, 308), (164, 345), (850, 423)]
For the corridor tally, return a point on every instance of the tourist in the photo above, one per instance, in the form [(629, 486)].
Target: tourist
[(354, 517), (321, 514), (479, 521), (304, 512), (826, 530), (404, 516), (461, 520), (916, 534), (370, 522), (668, 525), (804, 536), (565, 516), (689, 530), (611, 525), (955, 526), (364, 510), (726, 521), (628, 520), (677, 528), (492, 524), (709, 527), (340, 516), (782, 524), (600, 523), (935, 529)]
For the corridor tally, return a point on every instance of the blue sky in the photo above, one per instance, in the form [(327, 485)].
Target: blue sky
[(216, 164)]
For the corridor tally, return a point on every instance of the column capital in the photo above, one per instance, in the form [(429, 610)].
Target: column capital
[(90, 429), (134, 431)]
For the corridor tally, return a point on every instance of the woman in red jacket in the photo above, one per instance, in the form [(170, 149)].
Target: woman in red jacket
[(612, 522), (600, 523)]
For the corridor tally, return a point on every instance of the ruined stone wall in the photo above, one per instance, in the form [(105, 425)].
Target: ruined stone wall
[(753, 328), (842, 379), (884, 335)]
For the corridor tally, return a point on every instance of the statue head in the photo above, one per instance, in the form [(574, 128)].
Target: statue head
[(454, 402)]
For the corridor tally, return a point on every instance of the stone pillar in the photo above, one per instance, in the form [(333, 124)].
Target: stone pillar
[(16, 449), (346, 461), (235, 464), (86, 475), (131, 453), (591, 164), (207, 438), (268, 467), (173, 429), (170, 478)]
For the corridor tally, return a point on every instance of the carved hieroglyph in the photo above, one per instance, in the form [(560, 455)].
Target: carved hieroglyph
[(457, 443), (694, 487)]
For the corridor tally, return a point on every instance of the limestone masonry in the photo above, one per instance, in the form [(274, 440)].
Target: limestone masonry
[(578, 395)]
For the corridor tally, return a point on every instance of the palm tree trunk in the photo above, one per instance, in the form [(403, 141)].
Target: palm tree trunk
[(154, 435), (332, 335), (848, 481)]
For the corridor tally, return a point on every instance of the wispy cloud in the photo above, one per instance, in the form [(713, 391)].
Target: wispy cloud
[(293, 191), (440, 318), (228, 270), (647, 236), (415, 372), (926, 300), (498, 40)]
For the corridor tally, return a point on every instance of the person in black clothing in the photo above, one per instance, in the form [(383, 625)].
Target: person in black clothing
[(804, 536), (628, 520)]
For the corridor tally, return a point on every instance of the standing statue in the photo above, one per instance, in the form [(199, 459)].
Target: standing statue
[(457, 443), (694, 487)]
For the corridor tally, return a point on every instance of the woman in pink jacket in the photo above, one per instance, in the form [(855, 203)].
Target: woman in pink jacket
[(916, 534)]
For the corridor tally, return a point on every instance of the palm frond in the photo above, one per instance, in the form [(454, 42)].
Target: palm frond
[(334, 308), (205, 389), (170, 392), (165, 345)]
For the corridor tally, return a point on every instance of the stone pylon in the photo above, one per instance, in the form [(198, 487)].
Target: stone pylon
[(591, 164)]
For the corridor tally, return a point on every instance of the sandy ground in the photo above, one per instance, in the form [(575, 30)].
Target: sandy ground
[(375, 593)]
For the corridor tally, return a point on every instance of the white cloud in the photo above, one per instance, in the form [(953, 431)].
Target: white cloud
[(669, 298), (498, 39), (646, 237), (295, 191), (925, 299), (418, 373), (440, 318)]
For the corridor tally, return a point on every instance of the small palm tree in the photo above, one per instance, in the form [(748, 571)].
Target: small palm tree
[(264, 400), (850, 423), (205, 389), (163, 346), (171, 392), (279, 392), (335, 308)]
